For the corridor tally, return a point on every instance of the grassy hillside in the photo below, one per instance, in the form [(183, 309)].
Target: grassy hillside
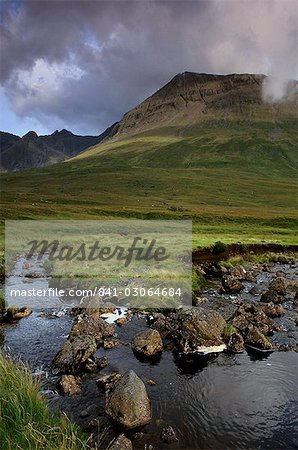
[(235, 179)]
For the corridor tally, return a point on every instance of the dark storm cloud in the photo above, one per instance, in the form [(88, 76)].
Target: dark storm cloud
[(84, 63)]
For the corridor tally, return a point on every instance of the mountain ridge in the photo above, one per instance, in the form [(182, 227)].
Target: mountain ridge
[(188, 101), (33, 150)]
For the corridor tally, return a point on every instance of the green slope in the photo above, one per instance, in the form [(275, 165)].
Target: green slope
[(235, 178)]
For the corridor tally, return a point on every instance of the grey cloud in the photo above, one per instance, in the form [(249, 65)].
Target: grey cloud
[(84, 63)]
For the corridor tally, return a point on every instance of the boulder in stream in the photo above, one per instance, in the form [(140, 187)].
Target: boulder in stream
[(273, 311), (121, 443), (279, 285), (128, 404), (70, 385), (236, 343), (257, 339), (270, 296), (231, 284), (168, 435), (147, 343), (197, 327), (251, 314), (98, 328), (17, 313), (75, 353), (108, 381)]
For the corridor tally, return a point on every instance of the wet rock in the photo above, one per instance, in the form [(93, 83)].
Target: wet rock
[(272, 310), (70, 385), (108, 381), (279, 285), (238, 272), (121, 443), (255, 290), (98, 328), (111, 343), (147, 343), (199, 301), (94, 307), (257, 339), (236, 343), (270, 297), (128, 404), (250, 276), (168, 435), (196, 327), (280, 273), (121, 321), (158, 320), (17, 313), (241, 323), (34, 275), (96, 364), (74, 354), (231, 285), (138, 435)]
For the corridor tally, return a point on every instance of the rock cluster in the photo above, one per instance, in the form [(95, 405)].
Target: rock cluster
[(77, 353)]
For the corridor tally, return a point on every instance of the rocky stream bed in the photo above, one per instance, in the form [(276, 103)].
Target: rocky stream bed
[(219, 375)]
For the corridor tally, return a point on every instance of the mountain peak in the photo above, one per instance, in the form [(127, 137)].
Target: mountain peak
[(63, 132), (30, 135), (189, 96)]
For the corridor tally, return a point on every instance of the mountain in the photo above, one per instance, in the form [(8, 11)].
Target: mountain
[(37, 151), (204, 121), (190, 98), (203, 147)]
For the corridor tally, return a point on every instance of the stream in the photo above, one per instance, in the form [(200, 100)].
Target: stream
[(232, 401)]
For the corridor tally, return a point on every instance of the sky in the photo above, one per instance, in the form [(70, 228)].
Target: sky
[(81, 65)]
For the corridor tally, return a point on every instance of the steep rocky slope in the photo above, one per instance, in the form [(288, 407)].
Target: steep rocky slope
[(190, 98)]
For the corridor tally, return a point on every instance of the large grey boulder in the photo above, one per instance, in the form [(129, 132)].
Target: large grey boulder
[(128, 404)]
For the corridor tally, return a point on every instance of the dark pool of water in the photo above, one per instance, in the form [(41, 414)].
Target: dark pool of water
[(229, 402)]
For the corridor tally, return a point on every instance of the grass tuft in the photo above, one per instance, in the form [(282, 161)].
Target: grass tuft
[(25, 420)]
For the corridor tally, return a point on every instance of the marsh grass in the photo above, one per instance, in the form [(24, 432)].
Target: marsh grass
[(25, 420), (270, 257)]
